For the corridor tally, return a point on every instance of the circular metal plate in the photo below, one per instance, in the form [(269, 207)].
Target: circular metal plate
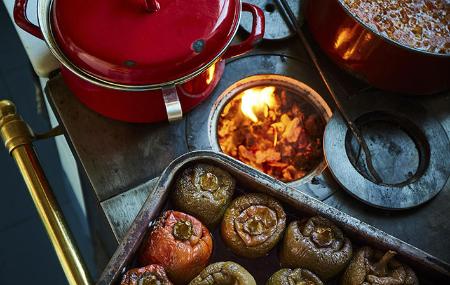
[(276, 26), (410, 150)]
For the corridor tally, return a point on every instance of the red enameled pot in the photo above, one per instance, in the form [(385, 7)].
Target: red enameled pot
[(141, 60), (373, 57)]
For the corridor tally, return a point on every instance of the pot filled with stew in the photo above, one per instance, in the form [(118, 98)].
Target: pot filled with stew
[(399, 46)]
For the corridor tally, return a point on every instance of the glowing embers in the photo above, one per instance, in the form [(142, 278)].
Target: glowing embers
[(274, 128)]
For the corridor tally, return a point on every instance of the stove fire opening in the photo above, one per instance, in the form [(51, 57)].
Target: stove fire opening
[(273, 128)]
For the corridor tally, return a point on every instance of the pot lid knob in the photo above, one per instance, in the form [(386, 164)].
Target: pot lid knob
[(151, 5)]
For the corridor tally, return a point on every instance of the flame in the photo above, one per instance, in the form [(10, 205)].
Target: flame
[(257, 99), (210, 73)]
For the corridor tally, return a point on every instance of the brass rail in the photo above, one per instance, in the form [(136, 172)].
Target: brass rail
[(18, 139)]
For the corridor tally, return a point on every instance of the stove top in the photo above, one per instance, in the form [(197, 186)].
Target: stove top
[(406, 159), (124, 156)]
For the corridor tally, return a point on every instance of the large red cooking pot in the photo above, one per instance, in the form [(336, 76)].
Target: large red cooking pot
[(373, 57), (141, 60)]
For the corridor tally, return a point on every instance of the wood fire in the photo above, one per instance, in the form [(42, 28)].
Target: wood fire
[(272, 130)]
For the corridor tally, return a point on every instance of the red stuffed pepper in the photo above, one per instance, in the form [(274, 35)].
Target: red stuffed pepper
[(150, 274), (181, 244)]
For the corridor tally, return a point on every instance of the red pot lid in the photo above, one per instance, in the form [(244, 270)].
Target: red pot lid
[(135, 42)]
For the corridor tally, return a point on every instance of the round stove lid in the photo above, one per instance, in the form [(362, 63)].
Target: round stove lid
[(144, 42), (406, 144)]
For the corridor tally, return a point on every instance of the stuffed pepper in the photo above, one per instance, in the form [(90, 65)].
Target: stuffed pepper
[(224, 273), (294, 277), (180, 243), (148, 275), (316, 244), (204, 191), (253, 224), (372, 267)]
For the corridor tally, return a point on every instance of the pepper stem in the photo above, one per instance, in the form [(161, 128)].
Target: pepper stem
[(209, 182), (182, 230), (148, 279), (381, 266), (298, 281), (323, 236), (255, 226)]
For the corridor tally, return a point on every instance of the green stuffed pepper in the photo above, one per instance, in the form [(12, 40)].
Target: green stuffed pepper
[(253, 225), (204, 191), (316, 244), (371, 267), (224, 273), (294, 277)]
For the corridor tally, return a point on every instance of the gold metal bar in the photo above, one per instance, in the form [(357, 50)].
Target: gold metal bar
[(17, 137)]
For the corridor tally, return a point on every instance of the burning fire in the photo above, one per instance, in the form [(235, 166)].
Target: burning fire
[(259, 100), (272, 130)]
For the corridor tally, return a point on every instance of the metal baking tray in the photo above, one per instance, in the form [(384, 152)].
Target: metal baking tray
[(429, 269)]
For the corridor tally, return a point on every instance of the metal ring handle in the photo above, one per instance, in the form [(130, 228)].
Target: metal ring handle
[(21, 19), (255, 36), (173, 104)]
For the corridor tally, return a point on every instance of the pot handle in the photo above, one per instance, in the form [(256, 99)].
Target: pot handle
[(173, 104), (255, 36), (21, 19)]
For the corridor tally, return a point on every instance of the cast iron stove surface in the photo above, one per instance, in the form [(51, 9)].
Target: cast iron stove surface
[(276, 28), (123, 156)]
